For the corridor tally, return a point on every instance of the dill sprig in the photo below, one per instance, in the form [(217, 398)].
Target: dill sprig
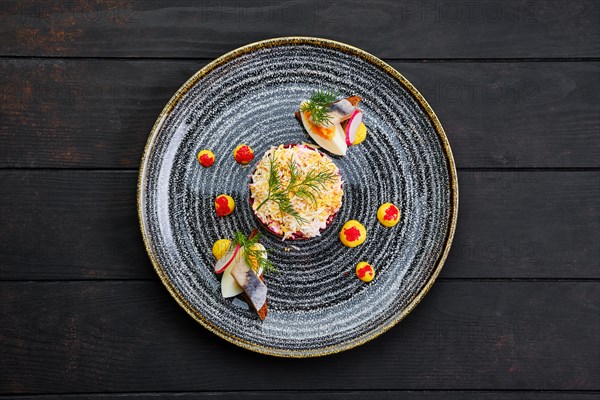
[(317, 106), (308, 187), (254, 258)]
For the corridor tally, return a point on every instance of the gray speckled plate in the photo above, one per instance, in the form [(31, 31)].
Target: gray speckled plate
[(317, 305)]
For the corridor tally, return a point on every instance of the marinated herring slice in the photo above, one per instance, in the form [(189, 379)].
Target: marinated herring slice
[(254, 288)]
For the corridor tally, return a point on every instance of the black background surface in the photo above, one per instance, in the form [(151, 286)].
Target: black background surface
[(515, 312)]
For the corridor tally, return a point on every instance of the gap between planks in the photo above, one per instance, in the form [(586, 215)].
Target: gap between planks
[(322, 391), (386, 59), (470, 169), (141, 280)]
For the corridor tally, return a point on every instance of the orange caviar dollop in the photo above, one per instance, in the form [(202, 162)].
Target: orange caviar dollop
[(224, 205), (353, 233), (206, 158), (243, 154)]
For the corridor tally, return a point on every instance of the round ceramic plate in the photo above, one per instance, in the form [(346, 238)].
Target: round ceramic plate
[(317, 305)]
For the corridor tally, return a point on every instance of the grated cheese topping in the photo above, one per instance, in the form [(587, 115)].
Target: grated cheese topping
[(317, 213)]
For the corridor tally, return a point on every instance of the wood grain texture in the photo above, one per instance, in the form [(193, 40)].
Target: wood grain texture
[(330, 395), (71, 225), (99, 113), (82, 114), (515, 313), (529, 224), (512, 224), (515, 114), (108, 337), (388, 28)]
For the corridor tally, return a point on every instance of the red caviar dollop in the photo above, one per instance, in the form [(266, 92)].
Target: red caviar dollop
[(365, 272), (224, 205), (391, 214), (353, 233), (243, 154), (206, 158), (388, 214)]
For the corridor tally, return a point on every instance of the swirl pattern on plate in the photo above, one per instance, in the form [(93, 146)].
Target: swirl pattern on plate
[(317, 305)]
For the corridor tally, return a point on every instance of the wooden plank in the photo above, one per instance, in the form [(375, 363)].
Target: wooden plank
[(530, 224), (512, 224), (92, 337), (515, 115), (98, 113), (331, 395), (82, 113), (387, 28), (71, 225)]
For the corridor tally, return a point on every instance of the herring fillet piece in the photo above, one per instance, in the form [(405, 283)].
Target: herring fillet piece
[(341, 110), (254, 288)]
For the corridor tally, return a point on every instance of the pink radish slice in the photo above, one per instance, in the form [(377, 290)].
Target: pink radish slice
[(353, 124), (227, 259)]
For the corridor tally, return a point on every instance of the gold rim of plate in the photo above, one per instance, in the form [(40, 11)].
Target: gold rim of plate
[(348, 49)]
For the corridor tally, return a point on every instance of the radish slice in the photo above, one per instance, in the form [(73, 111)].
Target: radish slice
[(227, 259), (352, 126)]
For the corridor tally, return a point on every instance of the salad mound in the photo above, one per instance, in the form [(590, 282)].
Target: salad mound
[(296, 191)]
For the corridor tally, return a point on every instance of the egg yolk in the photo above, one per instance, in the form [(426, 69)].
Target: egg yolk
[(327, 132)]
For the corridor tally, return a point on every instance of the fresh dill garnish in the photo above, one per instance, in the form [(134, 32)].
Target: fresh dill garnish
[(306, 187), (317, 106), (254, 258)]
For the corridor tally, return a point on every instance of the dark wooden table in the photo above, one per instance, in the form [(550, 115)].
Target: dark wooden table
[(515, 313)]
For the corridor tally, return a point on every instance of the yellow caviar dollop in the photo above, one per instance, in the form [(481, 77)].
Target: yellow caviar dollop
[(365, 271), (220, 247), (388, 214), (361, 134), (353, 233)]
